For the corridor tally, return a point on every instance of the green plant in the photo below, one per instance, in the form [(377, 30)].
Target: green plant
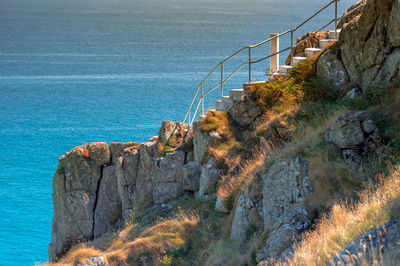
[(61, 170)]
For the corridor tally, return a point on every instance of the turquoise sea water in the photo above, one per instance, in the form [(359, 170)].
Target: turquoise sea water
[(80, 71)]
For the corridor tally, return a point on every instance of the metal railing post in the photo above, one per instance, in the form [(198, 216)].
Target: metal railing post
[(249, 64), (202, 100), (336, 10), (291, 48), (189, 122), (222, 80)]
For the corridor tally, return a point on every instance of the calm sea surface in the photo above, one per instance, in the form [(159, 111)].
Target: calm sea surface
[(80, 71)]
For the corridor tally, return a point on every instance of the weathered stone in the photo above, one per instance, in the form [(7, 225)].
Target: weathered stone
[(172, 133), (96, 261), (127, 168), (375, 244), (345, 131), (220, 204), (287, 228), (354, 93), (330, 68), (354, 12), (286, 184), (245, 112), (191, 176), (168, 177), (201, 143), (75, 186), (108, 212), (394, 25), (368, 126), (117, 149), (209, 178), (241, 218)]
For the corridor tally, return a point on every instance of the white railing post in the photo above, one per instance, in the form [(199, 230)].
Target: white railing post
[(336, 10), (274, 66), (222, 80), (202, 100), (249, 64)]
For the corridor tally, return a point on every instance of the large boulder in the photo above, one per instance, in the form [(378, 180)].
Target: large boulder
[(359, 139), (330, 68), (286, 184), (75, 187), (285, 231), (242, 218), (202, 141), (369, 46)]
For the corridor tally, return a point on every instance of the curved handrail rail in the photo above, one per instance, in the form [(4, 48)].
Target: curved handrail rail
[(220, 65)]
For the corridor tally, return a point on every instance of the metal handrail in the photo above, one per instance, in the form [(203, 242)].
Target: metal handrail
[(220, 65)]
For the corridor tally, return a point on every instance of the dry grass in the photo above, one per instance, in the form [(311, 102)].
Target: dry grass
[(152, 244), (347, 222)]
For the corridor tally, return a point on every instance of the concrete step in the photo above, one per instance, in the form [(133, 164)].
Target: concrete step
[(333, 35), (285, 69), (298, 59), (312, 51), (236, 94), (220, 106), (324, 43), (247, 86)]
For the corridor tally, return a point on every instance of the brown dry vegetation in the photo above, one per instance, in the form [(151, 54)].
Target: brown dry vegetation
[(346, 222)]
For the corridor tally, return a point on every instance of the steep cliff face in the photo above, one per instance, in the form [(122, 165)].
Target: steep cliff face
[(369, 46)]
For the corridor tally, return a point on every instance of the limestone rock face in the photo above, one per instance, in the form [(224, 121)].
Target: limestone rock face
[(108, 212), (191, 176), (359, 139), (75, 186), (209, 178), (285, 230), (286, 184), (330, 68), (369, 45), (245, 112)]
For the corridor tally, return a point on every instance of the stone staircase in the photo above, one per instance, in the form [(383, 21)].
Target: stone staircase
[(235, 95)]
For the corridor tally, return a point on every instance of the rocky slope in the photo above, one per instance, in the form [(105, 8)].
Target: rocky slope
[(98, 188)]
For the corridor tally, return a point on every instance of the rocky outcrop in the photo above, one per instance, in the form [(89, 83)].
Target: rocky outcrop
[(191, 176), (359, 139), (353, 13), (75, 195), (369, 47), (96, 261), (97, 187), (173, 133), (381, 241), (285, 231), (286, 185), (330, 68), (246, 111), (209, 178), (201, 143), (242, 217)]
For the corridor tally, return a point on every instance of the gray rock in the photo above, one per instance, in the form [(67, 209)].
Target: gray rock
[(354, 93), (286, 184), (383, 240), (191, 176), (209, 178), (201, 143), (117, 149), (172, 129), (220, 204), (96, 261), (330, 68), (241, 218), (108, 211), (345, 131), (285, 231), (75, 186), (246, 111)]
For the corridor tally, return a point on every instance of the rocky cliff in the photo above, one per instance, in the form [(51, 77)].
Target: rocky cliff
[(312, 154)]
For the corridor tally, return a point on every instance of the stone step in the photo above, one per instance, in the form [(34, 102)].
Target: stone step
[(220, 106), (333, 35), (298, 59), (236, 94), (247, 86), (285, 69), (325, 42), (312, 51)]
